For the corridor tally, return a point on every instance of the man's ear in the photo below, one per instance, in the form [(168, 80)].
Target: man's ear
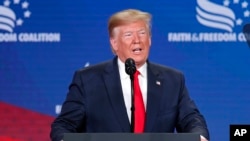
[(150, 41), (113, 43)]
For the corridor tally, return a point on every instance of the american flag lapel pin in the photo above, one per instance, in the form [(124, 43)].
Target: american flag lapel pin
[(158, 83)]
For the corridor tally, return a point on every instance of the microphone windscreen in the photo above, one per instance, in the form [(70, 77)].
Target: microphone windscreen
[(130, 67)]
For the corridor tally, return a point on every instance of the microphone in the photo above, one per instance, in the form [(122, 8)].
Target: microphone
[(246, 32), (130, 69)]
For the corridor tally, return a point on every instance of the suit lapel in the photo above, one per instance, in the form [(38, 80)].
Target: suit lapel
[(114, 89), (155, 89)]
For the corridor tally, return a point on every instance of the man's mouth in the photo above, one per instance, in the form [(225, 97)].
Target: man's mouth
[(137, 50)]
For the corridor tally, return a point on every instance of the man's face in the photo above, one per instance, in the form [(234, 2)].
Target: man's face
[(132, 41)]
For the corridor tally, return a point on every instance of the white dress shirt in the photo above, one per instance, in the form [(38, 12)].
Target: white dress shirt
[(126, 85)]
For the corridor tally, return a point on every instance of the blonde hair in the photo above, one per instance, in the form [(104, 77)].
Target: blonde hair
[(126, 17)]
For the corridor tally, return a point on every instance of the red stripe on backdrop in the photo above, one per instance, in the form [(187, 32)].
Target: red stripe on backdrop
[(19, 124)]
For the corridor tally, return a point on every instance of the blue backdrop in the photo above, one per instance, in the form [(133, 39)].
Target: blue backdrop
[(42, 43)]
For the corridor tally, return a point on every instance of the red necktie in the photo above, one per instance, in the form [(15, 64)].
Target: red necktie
[(139, 106)]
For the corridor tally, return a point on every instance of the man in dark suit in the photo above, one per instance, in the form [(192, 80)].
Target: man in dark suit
[(99, 97)]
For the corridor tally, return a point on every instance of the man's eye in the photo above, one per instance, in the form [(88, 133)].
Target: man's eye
[(142, 32), (127, 34)]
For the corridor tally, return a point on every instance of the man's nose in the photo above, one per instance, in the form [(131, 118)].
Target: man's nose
[(136, 39)]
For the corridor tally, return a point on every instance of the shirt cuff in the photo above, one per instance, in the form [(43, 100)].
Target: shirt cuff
[(202, 137)]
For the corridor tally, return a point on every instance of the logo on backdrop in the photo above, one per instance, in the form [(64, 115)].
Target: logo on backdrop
[(13, 14), (222, 17)]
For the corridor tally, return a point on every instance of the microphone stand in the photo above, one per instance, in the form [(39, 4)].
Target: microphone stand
[(130, 69), (132, 104)]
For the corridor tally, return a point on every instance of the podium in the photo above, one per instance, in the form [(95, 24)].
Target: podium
[(131, 137)]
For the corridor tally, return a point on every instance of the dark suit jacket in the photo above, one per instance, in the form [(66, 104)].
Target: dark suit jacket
[(95, 103)]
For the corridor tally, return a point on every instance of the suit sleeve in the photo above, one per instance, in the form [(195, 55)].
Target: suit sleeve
[(190, 120), (71, 118)]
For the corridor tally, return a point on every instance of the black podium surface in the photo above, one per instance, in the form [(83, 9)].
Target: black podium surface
[(131, 137)]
